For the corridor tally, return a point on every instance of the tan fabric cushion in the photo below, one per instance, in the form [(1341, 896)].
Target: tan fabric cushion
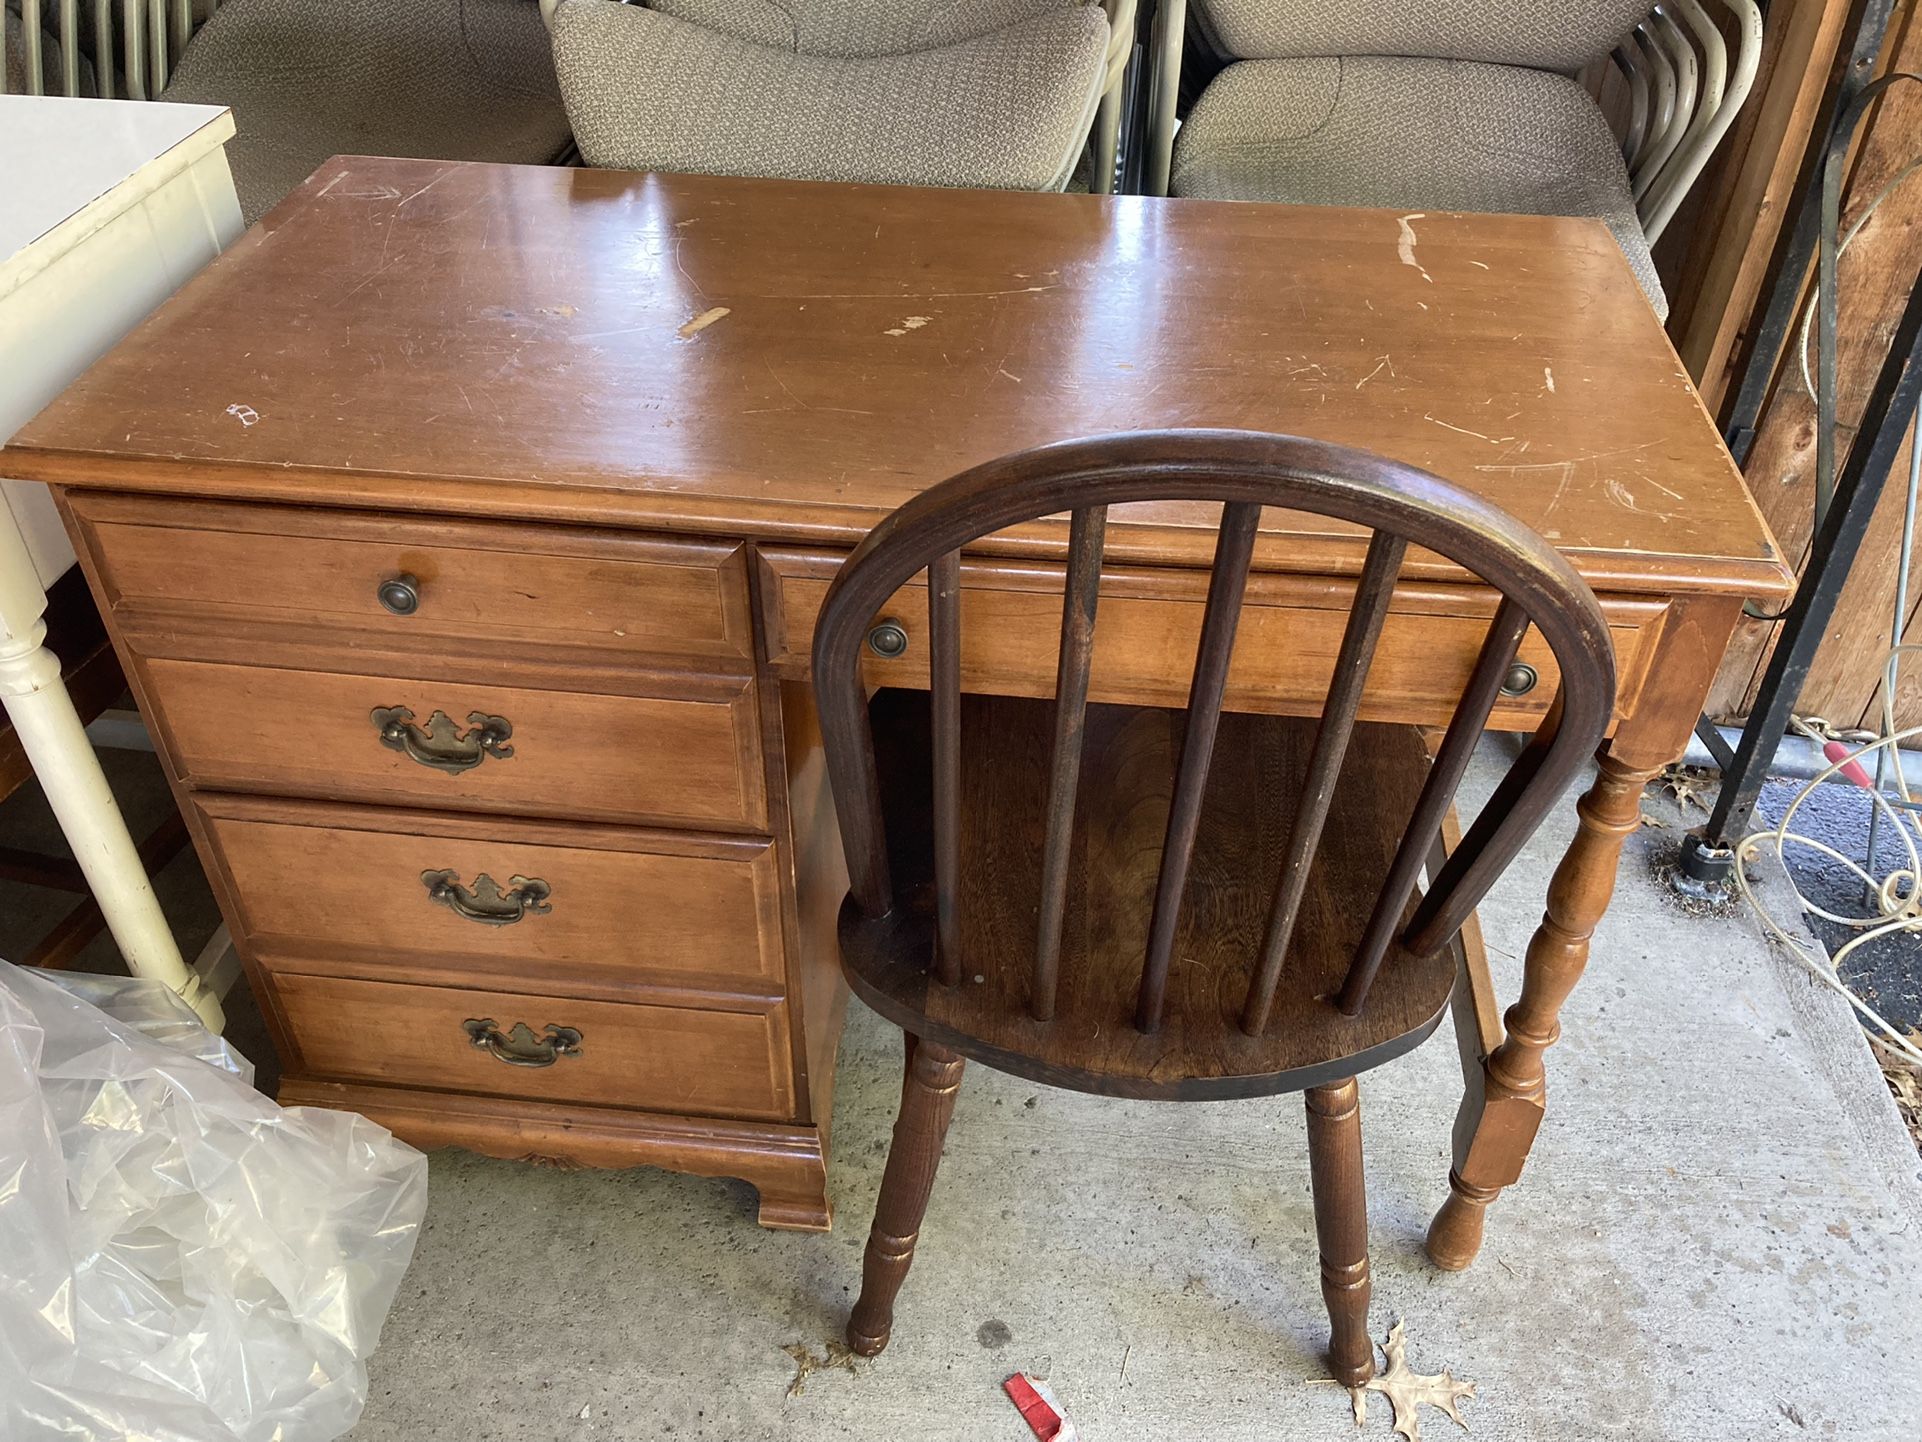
[(1419, 134), (856, 27), (1545, 34), (1007, 110), (437, 79)]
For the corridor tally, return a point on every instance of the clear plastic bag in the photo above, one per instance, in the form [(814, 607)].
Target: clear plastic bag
[(181, 1260)]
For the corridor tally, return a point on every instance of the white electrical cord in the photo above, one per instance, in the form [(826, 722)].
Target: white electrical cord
[(1897, 896)]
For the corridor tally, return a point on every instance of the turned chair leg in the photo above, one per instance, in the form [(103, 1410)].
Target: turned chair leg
[(927, 1105), (1341, 1226)]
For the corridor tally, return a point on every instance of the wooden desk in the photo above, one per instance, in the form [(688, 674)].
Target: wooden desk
[(619, 430)]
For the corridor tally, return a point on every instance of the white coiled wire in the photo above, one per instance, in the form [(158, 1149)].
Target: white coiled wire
[(1896, 897)]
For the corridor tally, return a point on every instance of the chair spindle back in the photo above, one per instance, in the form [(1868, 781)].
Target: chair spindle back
[(1244, 471)]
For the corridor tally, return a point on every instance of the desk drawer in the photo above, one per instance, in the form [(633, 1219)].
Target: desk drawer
[(691, 756), (509, 589), (702, 1063), (588, 910), (1149, 621)]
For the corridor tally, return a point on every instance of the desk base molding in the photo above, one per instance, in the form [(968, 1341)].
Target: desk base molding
[(787, 1165)]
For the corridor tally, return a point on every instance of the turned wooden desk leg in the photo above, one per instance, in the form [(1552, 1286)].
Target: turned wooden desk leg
[(1498, 1121), (927, 1105), (1341, 1226)]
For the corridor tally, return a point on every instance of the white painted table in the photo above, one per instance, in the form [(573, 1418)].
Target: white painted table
[(106, 207)]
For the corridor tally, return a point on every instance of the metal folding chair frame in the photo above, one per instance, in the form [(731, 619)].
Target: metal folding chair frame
[(1708, 93)]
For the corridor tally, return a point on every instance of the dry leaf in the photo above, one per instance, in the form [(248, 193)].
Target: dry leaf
[(1905, 1082), (1407, 1390), (838, 1359), (1684, 786)]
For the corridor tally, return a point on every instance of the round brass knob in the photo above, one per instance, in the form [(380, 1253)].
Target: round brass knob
[(888, 638), (1520, 680), (400, 594)]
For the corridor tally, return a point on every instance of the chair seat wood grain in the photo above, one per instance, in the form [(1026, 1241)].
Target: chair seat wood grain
[(1091, 1044)]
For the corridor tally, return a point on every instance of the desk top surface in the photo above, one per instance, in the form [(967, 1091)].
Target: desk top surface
[(793, 360)]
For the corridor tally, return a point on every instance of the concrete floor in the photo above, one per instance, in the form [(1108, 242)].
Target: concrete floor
[(1719, 1237)]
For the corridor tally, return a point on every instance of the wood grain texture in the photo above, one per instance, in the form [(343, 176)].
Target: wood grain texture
[(1317, 791), (928, 1090), (1127, 787), (1341, 1225), (786, 1164), (407, 357), (480, 369), (711, 1063), (1497, 1128), (1081, 597), (694, 757), (525, 588), (1194, 755), (628, 909), (1244, 472), (820, 882), (1285, 646)]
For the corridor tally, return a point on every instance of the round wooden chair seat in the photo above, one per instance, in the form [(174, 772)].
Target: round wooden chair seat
[(1091, 1043)]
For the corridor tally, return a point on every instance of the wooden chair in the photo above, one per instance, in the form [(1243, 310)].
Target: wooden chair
[(1104, 898)]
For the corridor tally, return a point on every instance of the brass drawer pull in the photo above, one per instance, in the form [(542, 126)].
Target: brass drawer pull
[(441, 744), (487, 902), (520, 1047)]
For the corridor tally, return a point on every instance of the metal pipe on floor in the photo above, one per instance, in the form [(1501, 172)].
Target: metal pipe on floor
[(1798, 758)]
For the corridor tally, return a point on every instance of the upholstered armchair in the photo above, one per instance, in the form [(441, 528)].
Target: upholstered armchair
[(996, 93), (1454, 105)]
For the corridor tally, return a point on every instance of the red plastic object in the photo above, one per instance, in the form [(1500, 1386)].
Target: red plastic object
[(1838, 751), (1041, 1414)]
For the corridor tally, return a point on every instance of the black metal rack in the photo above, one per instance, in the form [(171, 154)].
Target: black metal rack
[(1844, 504)]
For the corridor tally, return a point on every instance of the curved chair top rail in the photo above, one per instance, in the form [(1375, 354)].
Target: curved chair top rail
[(1245, 471)]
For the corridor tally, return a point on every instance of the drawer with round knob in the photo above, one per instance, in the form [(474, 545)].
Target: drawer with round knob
[(1287, 637), (403, 582)]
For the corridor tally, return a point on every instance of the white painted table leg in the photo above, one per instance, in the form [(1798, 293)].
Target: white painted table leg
[(56, 745)]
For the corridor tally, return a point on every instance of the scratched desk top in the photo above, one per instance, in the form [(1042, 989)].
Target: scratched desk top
[(794, 360)]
